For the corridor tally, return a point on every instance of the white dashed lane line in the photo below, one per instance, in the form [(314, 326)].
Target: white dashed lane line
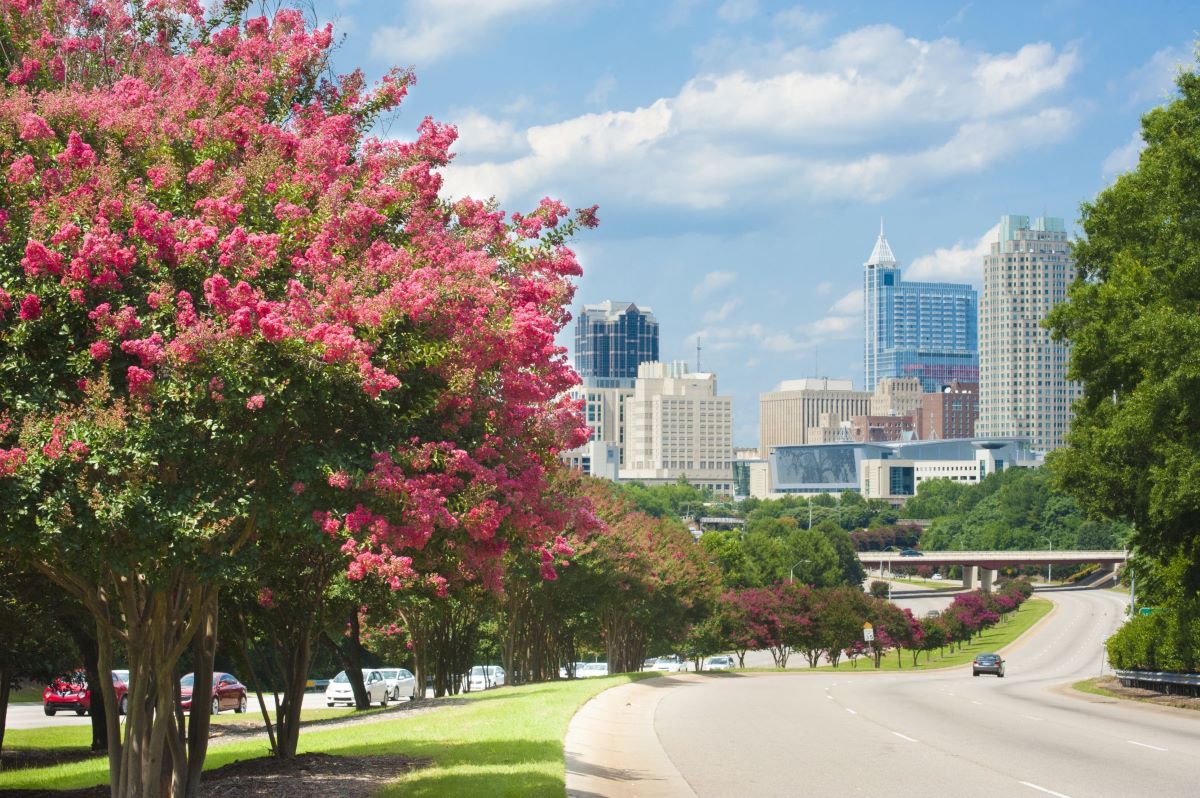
[(1043, 789), (905, 737), (1145, 745), (851, 711)]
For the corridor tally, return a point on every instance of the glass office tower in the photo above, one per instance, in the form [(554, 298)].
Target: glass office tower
[(613, 338)]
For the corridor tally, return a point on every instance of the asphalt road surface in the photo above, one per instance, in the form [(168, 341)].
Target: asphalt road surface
[(938, 732)]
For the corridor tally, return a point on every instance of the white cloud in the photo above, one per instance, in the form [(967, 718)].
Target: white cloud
[(754, 337), (800, 20), (721, 313), (849, 304), (738, 10), (835, 327), (437, 28), (872, 115), (824, 288), (600, 92), (1125, 157), (1154, 80), (483, 134), (960, 263), (712, 282)]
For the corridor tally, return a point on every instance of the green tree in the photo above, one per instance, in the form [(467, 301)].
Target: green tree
[(1133, 323)]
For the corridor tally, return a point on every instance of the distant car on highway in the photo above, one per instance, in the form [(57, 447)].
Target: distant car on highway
[(589, 669), (399, 682), (481, 677), (719, 663), (911, 553), (988, 663)]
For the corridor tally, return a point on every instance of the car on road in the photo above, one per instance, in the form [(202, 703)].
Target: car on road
[(227, 693), (669, 664), (400, 682), (723, 662), (71, 693), (988, 663), (481, 677), (911, 553), (340, 692)]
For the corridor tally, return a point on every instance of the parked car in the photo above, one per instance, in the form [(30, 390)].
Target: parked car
[(71, 693), (481, 677), (988, 663), (340, 692), (571, 670), (937, 577), (723, 662), (669, 664), (590, 669), (648, 663), (227, 693), (400, 682)]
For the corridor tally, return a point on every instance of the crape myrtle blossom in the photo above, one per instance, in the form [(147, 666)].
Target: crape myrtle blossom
[(224, 288), (294, 231)]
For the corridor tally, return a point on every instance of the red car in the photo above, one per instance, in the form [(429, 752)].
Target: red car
[(227, 692), (70, 692)]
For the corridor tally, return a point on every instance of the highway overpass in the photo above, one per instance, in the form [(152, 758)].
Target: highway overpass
[(984, 564)]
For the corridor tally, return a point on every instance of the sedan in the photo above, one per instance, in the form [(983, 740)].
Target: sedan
[(399, 683), (668, 664), (227, 693), (340, 692), (988, 663), (721, 663), (481, 677)]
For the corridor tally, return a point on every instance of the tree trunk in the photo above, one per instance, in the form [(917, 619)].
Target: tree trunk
[(296, 674), (6, 677), (349, 656), (204, 650)]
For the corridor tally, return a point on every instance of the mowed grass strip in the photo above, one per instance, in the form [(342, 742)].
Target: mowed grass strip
[(500, 742)]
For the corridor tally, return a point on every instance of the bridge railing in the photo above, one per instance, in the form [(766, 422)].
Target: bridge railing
[(1162, 681)]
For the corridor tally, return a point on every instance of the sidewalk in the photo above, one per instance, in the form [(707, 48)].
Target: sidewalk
[(612, 750)]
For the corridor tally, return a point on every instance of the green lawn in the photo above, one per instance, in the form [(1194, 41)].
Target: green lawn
[(26, 695), (499, 742)]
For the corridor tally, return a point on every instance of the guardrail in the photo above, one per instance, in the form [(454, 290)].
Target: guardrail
[(1162, 681)]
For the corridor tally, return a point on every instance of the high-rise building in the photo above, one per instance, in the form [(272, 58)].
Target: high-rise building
[(949, 413), (787, 413), (677, 426), (923, 330), (613, 338), (1023, 386)]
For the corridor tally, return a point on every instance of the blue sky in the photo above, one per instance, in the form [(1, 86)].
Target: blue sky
[(743, 152)]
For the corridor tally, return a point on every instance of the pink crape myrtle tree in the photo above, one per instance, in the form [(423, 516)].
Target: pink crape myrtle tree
[(228, 313)]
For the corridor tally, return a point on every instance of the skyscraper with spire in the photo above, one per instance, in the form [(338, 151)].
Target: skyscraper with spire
[(923, 330)]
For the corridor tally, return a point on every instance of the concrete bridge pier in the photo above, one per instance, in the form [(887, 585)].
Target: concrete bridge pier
[(969, 575), (989, 578)]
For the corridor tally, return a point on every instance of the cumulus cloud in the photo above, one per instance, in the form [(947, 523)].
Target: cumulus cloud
[(750, 337), (1154, 80), (738, 10), (873, 114), (800, 20), (721, 313), (713, 282), (1125, 157), (848, 304), (435, 29), (960, 263)]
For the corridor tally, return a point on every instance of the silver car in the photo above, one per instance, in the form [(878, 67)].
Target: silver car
[(400, 682), (339, 691), (719, 663)]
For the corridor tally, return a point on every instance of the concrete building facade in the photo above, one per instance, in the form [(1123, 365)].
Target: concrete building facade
[(897, 396), (787, 413), (1023, 386), (914, 329), (677, 426)]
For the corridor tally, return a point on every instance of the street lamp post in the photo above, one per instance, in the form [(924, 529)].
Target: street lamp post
[(1049, 566), (792, 572)]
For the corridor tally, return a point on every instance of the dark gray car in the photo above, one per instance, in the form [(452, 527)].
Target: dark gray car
[(988, 663)]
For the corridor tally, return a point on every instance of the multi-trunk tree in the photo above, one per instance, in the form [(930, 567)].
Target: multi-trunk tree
[(226, 313)]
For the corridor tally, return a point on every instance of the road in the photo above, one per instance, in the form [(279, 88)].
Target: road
[(31, 716), (928, 733)]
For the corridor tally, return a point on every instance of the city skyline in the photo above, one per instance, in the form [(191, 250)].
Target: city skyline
[(742, 152)]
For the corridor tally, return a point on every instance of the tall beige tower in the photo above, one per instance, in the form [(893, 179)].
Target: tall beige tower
[(1023, 386), (787, 413)]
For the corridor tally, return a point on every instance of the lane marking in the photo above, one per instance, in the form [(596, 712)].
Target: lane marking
[(1031, 717), (977, 703), (851, 711), (1145, 745), (1043, 789), (829, 697), (905, 737)]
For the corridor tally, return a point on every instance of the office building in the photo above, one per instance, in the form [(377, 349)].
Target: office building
[(949, 413), (1023, 386), (867, 429), (677, 426), (897, 396), (613, 338), (923, 330), (787, 413)]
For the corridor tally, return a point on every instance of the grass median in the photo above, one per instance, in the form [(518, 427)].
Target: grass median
[(500, 742)]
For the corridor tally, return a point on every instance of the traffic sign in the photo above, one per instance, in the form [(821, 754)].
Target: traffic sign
[(868, 632)]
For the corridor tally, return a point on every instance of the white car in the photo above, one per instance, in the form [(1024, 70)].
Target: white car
[(339, 692), (481, 677), (669, 664), (590, 669), (721, 663), (576, 671), (400, 682)]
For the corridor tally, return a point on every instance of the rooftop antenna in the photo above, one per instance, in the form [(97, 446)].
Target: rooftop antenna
[(697, 355)]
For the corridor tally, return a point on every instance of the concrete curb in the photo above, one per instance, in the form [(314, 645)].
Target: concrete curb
[(612, 749)]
